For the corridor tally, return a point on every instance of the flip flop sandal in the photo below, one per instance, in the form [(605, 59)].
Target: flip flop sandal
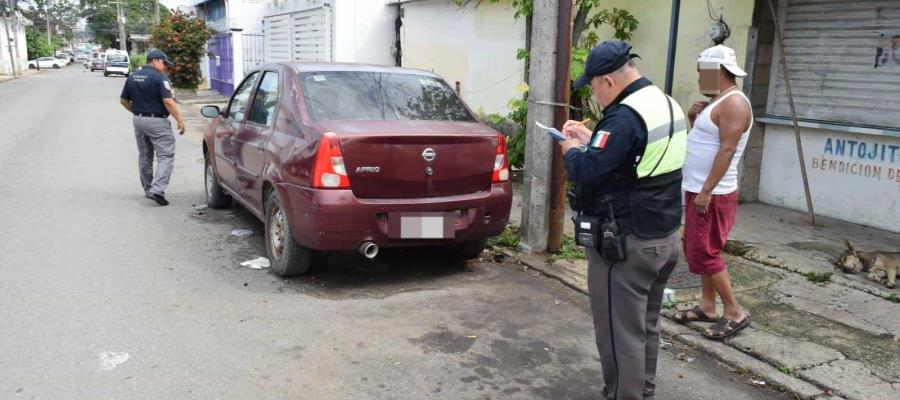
[(682, 316), (725, 327)]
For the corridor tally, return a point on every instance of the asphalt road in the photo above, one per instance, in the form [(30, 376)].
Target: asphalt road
[(105, 295)]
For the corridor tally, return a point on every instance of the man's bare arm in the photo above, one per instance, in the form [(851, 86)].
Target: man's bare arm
[(174, 112), (126, 104), (732, 117)]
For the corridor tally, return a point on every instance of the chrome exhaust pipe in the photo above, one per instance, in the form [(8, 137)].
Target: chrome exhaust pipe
[(368, 250)]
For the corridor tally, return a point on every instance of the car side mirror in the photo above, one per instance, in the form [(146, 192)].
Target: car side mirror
[(210, 111)]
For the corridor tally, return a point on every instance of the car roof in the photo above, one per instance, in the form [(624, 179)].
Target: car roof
[(301, 67)]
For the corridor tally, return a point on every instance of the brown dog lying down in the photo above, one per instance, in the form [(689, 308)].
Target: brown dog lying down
[(873, 262)]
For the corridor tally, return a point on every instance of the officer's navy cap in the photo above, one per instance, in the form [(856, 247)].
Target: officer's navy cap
[(605, 58), (159, 55)]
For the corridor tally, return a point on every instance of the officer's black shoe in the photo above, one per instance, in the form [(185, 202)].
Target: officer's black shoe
[(159, 199)]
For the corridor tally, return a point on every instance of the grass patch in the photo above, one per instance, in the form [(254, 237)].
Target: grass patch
[(569, 250), (787, 371), (669, 305), (509, 238), (893, 297), (817, 277)]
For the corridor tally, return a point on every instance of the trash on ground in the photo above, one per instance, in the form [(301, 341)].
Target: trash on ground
[(109, 360), (755, 382), (241, 233), (256, 263), (668, 295), (199, 207)]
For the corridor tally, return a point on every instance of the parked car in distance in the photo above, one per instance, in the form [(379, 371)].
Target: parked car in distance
[(46, 62), (81, 57), (117, 64), (96, 64), (344, 157), (63, 57)]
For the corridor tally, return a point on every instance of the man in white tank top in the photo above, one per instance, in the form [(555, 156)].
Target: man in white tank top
[(720, 128)]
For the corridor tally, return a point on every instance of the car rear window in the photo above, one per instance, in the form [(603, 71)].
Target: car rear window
[(380, 96), (115, 58)]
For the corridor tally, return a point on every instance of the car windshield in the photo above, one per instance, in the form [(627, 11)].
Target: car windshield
[(115, 58), (379, 96)]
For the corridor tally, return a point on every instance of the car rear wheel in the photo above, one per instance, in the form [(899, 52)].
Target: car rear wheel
[(55, 66), (105, 73), (286, 256), (31, 66), (216, 197), (467, 250)]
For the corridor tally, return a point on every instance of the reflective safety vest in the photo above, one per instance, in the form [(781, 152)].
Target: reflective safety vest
[(662, 154)]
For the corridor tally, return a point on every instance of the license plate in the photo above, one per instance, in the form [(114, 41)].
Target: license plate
[(422, 226)]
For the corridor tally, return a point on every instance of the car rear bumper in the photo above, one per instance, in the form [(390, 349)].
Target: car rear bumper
[(335, 220), (117, 70)]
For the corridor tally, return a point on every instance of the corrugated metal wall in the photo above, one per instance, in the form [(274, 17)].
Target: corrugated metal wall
[(300, 36), (832, 48)]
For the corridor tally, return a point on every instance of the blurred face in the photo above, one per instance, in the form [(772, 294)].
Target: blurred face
[(159, 65), (604, 90), (709, 76)]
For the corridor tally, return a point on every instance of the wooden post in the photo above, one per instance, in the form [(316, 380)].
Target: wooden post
[(790, 95), (562, 92)]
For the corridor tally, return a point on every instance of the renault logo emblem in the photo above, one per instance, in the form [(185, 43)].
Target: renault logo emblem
[(429, 154)]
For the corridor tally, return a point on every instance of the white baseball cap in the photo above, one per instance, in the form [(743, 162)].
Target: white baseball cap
[(723, 56)]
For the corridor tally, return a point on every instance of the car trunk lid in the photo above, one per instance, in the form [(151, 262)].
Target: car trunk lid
[(416, 159)]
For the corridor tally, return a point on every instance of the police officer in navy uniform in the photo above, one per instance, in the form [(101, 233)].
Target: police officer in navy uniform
[(148, 95), (627, 174)]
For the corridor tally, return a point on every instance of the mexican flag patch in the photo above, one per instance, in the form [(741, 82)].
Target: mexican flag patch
[(600, 139)]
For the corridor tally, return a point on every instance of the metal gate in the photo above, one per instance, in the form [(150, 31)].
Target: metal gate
[(254, 51), (300, 36), (221, 64)]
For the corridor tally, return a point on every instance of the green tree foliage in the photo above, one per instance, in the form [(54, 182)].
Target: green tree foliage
[(62, 14), (182, 37), (36, 42), (101, 19)]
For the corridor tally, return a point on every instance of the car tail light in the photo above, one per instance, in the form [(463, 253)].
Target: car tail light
[(328, 169), (501, 162)]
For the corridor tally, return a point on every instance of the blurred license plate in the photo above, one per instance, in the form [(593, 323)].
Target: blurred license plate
[(422, 226)]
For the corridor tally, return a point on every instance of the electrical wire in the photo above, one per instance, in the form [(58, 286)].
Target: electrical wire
[(495, 84), (709, 9)]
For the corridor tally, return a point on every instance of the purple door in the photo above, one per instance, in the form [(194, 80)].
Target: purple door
[(221, 65)]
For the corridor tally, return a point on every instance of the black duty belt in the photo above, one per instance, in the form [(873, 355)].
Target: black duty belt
[(152, 115)]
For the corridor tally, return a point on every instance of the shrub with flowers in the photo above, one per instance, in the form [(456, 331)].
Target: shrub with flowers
[(183, 38)]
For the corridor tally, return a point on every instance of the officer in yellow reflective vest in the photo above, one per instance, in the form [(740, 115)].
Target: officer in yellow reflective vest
[(627, 174)]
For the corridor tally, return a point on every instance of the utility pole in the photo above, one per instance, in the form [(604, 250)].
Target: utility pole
[(15, 11), (561, 95), (538, 146), (120, 20), (47, 15), (156, 12)]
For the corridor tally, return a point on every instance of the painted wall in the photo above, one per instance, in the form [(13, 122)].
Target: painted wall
[(651, 39), (364, 32), (476, 47), (20, 58), (852, 177), (246, 15)]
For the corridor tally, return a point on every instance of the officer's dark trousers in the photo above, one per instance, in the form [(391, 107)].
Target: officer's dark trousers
[(626, 298), (154, 135)]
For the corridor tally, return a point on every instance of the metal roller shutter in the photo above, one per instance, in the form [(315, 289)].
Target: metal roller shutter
[(831, 47)]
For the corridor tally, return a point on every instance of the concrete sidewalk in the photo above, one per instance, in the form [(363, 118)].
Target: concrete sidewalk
[(821, 335), (27, 72)]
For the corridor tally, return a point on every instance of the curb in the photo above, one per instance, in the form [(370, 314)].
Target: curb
[(720, 351), (750, 252)]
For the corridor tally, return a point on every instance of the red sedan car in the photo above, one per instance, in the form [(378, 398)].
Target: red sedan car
[(336, 157)]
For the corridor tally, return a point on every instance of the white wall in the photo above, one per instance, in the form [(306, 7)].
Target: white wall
[(21, 57), (246, 15), (852, 187), (476, 47), (364, 31)]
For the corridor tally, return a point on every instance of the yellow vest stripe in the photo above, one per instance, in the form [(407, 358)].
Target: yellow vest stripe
[(650, 104)]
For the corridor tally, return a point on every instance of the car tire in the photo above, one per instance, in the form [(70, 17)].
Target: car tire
[(287, 258), (31, 66), (216, 196), (105, 73), (55, 66), (467, 250)]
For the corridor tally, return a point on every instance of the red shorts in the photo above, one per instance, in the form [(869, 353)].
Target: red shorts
[(705, 234)]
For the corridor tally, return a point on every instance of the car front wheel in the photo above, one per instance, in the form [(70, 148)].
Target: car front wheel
[(55, 66), (286, 256), (216, 197)]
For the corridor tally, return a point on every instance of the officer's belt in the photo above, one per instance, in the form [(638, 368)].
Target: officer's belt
[(152, 115)]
